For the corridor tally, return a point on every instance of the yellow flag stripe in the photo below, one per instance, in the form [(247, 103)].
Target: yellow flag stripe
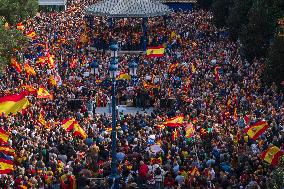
[(13, 107)]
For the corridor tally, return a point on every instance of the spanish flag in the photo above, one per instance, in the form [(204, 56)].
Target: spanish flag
[(13, 103), (4, 137), (52, 80), (174, 122), (30, 89), (6, 166), (20, 26), (68, 124), (173, 67), (153, 52), (41, 60), (7, 150), (50, 61), (156, 160), (175, 135), (41, 119), (29, 69), (189, 130), (78, 131), (123, 76), (255, 130), (43, 93), (16, 65), (31, 34), (272, 155)]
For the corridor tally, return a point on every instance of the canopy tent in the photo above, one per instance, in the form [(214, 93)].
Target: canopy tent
[(128, 9)]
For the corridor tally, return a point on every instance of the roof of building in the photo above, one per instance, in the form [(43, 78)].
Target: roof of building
[(128, 8)]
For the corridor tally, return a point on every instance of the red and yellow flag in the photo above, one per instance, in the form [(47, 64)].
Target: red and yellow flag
[(272, 155), (52, 80), (41, 60), (78, 131), (16, 65), (172, 67), (4, 137), (68, 124), (29, 69), (174, 122), (13, 103), (20, 26), (255, 130), (31, 34), (6, 166), (175, 135), (123, 76), (189, 130), (43, 93), (30, 89), (153, 52), (156, 160), (50, 61), (7, 150), (41, 120)]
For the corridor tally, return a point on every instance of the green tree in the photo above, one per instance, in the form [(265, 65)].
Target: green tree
[(238, 16), (257, 34), (220, 9), (12, 12), (274, 67), (204, 3)]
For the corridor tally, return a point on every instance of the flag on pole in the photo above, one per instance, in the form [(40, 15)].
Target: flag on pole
[(79, 131), (68, 124), (175, 135), (174, 122), (29, 70), (255, 130), (154, 52), (16, 65), (43, 93)]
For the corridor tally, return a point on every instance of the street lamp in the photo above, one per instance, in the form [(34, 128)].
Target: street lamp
[(114, 177), (133, 68), (95, 67)]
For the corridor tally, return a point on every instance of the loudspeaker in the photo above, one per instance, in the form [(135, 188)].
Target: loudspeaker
[(74, 104)]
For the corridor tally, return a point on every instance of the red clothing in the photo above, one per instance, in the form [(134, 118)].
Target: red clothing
[(143, 170), (169, 182)]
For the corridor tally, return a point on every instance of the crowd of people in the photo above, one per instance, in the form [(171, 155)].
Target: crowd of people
[(201, 71)]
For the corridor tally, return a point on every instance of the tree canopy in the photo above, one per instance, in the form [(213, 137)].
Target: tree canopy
[(11, 13)]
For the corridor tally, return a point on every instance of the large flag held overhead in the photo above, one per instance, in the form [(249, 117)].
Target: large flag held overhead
[(13, 103), (68, 124), (272, 155), (174, 122), (255, 130), (6, 166), (153, 52), (4, 137)]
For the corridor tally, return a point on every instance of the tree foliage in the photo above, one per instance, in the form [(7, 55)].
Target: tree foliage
[(274, 71), (220, 9), (12, 12), (15, 11), (238, 17)]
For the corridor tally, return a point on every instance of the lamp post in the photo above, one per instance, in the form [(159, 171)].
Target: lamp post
[(113, 73), (95, 67)]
